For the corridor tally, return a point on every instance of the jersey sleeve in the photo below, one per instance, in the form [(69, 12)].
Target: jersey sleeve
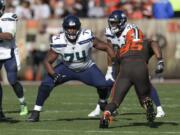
[(108, 34), (89, 34), (86, 36), (134, 35), (133, 41), (11, 22), (55, 43), (11, 28)]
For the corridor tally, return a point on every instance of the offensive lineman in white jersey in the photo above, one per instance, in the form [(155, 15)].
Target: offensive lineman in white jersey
[(9, 56), (74, 45)]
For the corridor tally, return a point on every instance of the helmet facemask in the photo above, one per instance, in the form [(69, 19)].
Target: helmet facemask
[(71, 26), (117, 21), (116, 26), (71, 33)]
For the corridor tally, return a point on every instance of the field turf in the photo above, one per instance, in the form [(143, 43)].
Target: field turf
[(65, 113)]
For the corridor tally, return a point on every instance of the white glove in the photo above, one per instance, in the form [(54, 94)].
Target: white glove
[(109, 75)]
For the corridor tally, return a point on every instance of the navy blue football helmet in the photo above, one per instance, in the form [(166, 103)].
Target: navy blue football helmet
[(2, 7), (117, 21), (72, 27)]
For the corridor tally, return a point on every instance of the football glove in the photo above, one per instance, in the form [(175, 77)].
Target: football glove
[(159, 66), (57, 77), (109, 75)]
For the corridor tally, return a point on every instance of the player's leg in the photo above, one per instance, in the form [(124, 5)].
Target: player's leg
[(97, 110), (45, 89), (142, 87), (118, 93), (102, 102), (155, 98), (159, 112), (94, 77), (11, 69), (2, 116)]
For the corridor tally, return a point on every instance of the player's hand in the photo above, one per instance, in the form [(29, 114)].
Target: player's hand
[(57, 77), (160, 66), (109, 75)]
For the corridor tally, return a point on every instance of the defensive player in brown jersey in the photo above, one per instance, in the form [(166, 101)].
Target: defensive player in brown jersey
[(133, 69), (116, 39)]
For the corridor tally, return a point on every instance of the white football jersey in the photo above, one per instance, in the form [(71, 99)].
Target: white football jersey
[(76, 56), (118, 41), (8, 24)]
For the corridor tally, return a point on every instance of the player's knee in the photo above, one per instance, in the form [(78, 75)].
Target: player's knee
[(12, 78)]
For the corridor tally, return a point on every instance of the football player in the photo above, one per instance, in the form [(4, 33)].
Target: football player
[(110, 74), (74, 45), (9, 56), (133, 70)]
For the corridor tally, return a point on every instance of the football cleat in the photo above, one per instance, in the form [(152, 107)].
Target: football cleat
[(96, 112), (160, 112), (34, 116), (105, 120), (23, 110), (150, 113)]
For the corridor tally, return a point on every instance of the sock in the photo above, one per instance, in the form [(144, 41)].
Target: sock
[(37, 108), (18, 89), (159, 108), (104, 92), (102, 103), (22, 101), (155, 97)]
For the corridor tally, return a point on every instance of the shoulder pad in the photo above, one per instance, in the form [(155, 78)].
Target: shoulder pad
[(130, 26), (87, 33), (58, 41), (9, 17), (85, 36), (108, 33)]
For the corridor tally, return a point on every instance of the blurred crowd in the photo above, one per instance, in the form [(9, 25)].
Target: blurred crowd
[(37, 34), (135, 9)]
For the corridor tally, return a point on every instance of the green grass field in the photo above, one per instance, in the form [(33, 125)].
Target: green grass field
[(65, 113)]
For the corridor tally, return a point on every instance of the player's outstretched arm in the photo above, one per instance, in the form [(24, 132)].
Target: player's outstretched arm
[(156, 49), (101, 45), (49, 60), (158, 53)]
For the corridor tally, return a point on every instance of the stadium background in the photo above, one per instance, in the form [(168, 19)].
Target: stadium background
[(65, 112), (39, 19)]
